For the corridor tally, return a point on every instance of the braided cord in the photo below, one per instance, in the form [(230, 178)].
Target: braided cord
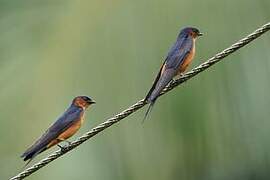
[(216, 58)]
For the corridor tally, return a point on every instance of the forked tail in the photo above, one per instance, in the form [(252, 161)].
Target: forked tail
[(149, 109)]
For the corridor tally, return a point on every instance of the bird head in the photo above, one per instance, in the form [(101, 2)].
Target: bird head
[(191, 31), (83, 101)]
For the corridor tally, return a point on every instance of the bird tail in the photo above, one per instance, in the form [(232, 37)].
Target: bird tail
[(160, 83), (32, 152), (30, 156), (29, 160), (153, 95), (149, 109)]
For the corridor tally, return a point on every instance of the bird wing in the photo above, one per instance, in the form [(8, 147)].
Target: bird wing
[(71, 115), (168, 70), (179, 52)]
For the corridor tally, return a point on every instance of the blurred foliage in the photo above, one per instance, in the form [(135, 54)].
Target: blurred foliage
[(215, 126)]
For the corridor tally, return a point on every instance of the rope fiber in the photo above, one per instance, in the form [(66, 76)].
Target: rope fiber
[(216, 58)]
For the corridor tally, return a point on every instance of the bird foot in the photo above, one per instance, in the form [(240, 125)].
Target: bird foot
[(63, 148)]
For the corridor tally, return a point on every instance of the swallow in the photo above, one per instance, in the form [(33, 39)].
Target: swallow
[(176, 62), (63, 128)]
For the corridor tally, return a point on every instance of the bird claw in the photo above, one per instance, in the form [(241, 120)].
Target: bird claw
[(171, 82), (63, 148)]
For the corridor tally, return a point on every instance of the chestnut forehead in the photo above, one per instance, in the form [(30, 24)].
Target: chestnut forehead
[(79, 99), (85, 98)]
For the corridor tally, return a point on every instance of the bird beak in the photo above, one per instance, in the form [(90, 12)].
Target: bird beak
[(200, 34), (92, 102)]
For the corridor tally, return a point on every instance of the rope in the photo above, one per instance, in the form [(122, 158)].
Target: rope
[(216, 58)]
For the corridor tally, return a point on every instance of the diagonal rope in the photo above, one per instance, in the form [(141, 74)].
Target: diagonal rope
[(216, 58)]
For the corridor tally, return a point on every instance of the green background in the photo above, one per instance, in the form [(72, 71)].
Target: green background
[(215, 126)]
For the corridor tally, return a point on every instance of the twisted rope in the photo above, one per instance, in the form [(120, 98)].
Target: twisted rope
[(216, 58)]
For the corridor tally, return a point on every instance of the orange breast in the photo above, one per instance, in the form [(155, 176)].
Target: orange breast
[(70, 131), (187, 60), (67, 133)]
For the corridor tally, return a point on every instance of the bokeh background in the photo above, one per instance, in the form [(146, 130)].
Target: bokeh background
[(215, 126)]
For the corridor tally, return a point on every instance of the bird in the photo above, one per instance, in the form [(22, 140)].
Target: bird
[(178, 59), (62, 129)]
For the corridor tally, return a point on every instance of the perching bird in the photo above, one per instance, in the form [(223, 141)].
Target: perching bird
[(66, 126), (176, 62)]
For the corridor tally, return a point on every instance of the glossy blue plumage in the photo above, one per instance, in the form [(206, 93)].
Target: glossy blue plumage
[(176, 56), (70, 116), (180, 52)]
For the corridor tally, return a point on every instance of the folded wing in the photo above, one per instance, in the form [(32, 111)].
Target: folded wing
[(71, 116)]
